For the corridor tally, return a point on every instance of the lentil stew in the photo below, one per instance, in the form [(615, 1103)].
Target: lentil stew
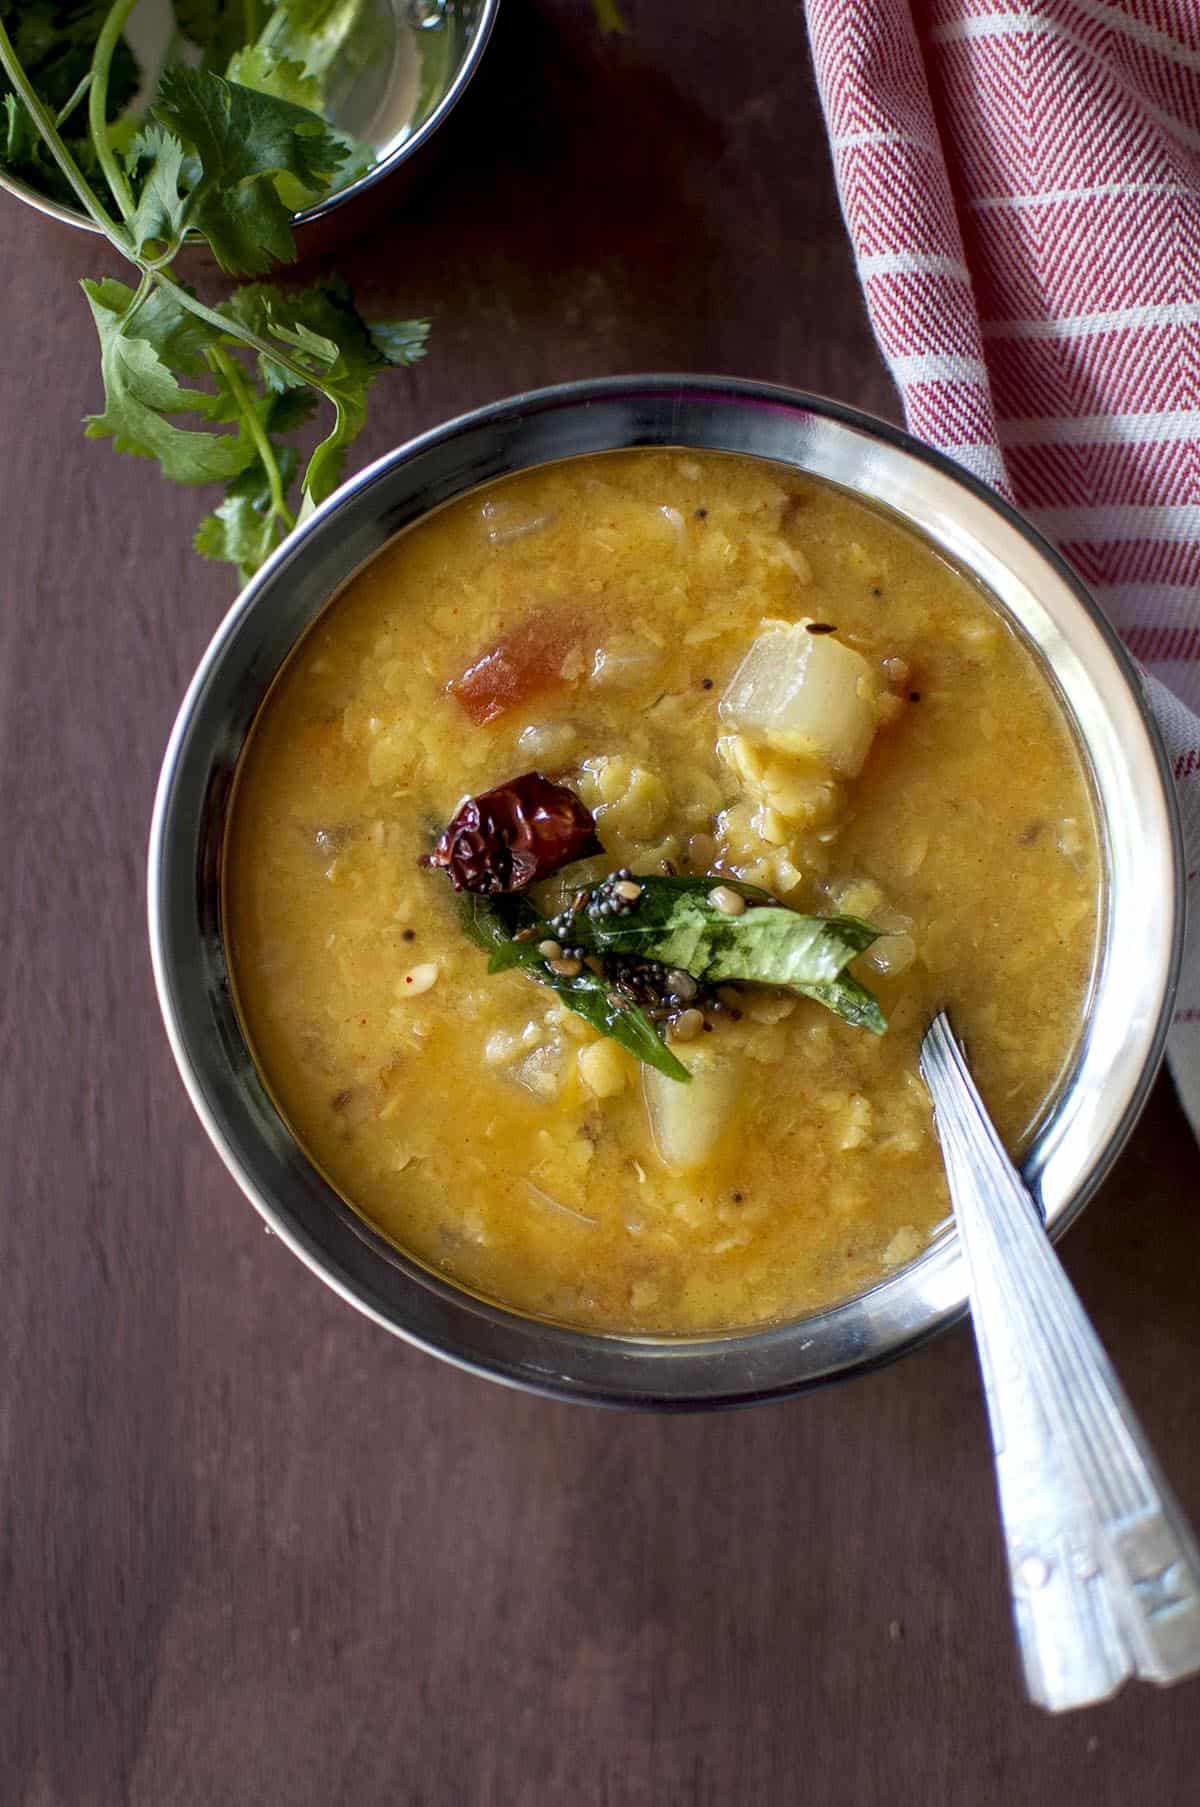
[(745, 676)]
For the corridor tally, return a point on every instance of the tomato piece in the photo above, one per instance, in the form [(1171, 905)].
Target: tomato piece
[(524, 663)]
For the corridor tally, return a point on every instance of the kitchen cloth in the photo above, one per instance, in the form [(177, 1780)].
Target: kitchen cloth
[(1021, 185)]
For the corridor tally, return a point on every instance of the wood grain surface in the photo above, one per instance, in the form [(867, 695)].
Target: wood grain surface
[(254, 1551)]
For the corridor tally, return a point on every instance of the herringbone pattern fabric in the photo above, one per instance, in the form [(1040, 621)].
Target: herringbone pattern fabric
[(1021, 184)]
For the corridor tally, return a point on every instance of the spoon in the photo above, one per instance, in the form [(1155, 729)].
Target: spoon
[(1104, 1570)]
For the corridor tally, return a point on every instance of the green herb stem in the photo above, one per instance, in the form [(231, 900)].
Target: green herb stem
[(225, 146), (31, 101), (233, 329), (81, 88), (140, 297), (100, 215), (221, 360), (106, 44), (98, 79)]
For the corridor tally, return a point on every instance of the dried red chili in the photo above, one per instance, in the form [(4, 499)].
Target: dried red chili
[(510, 836)]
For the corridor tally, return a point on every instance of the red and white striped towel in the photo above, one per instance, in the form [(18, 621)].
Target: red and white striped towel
[(1021, 184)]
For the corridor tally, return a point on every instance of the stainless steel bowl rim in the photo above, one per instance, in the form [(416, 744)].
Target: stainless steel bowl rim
[(342, 197), (297, 1204)]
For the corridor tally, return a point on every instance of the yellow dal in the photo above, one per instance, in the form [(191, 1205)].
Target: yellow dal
[(460, 1121)]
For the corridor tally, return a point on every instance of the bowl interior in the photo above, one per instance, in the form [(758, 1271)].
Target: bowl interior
[(1137, 959)]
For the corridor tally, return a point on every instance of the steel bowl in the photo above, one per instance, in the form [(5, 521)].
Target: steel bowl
[(321, 226), (1098, 688)]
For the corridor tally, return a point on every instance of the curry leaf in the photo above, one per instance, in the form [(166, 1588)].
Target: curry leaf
[(492, 926), (849, 1000), (675, 921)]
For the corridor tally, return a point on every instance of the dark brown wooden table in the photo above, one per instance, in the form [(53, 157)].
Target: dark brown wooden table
[(254, 1551)]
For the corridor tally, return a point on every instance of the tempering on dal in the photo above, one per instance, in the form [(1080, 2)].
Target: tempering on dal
[(741, 672)]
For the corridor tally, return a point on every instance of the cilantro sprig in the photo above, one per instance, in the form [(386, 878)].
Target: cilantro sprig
[(213, 393)]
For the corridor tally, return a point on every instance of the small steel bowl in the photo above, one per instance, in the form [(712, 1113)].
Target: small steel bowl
[(1098, 689), (321, 226)]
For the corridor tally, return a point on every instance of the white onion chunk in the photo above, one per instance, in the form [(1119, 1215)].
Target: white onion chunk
[(805, 694)]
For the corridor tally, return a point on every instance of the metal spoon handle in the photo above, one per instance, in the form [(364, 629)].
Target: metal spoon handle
[(1105, 1572)]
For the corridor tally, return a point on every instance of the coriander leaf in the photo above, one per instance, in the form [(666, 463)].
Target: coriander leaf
[(348, 384), (216, 27), (323, 314), (259, 68), (54, 40), (332, 340), (319, 350), (286, 411), (675, 921), (140, 391), (244, 142), (20, 145), (240, 532), (302, 45), (179, 337), (399, 341), (256, 306), (160, 169), (226, 162), (245, 528), (490, 925), (322, 34)]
